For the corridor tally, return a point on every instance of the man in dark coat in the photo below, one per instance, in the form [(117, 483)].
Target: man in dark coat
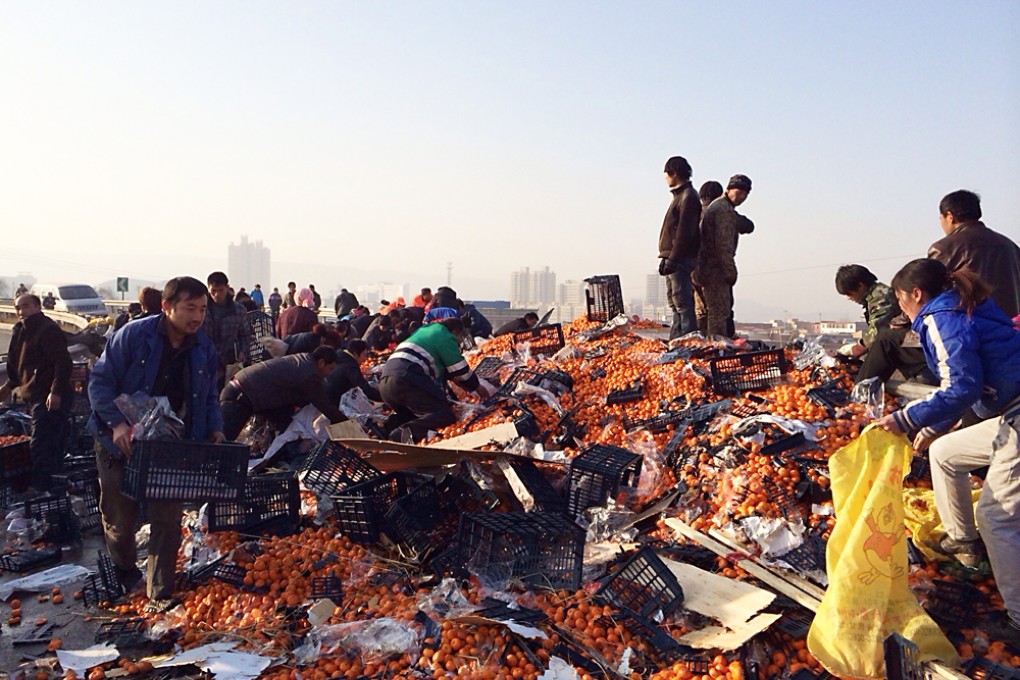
[(39, 369), (678, 245), (717, 256)]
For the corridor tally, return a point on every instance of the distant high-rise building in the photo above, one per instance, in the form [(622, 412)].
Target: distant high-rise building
[(248, 264), (372, 294), (655, 290), (570, 293), (532, 288)]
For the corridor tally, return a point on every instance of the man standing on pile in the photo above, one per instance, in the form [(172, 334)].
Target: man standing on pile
[(345, 303), (226, 324), (717, 257), (415, 375), (39, 371), (678, 245), (169, 356)]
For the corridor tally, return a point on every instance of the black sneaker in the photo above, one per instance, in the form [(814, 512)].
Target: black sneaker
[(129, 578), (1005, 629)]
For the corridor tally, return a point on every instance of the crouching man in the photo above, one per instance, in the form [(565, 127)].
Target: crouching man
[(414, 380), (163, 356)]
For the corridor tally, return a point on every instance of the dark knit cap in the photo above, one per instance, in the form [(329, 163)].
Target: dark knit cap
[(740, 182)]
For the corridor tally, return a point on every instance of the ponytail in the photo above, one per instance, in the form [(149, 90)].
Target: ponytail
[(932, 278)]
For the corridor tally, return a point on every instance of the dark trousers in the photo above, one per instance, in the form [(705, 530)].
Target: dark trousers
[(418, 403), (887, 355), (718, 309), (47, 447), (120, 515), (680, 295), (237, 410)]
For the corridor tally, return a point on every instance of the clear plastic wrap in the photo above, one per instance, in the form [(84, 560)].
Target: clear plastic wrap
[(150, 417), (373, 640), (813, 354), (870, 392), (447, 600), (21, 531)]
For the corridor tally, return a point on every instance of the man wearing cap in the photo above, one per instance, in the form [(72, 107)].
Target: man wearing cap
[(678, 245), (717, 267)]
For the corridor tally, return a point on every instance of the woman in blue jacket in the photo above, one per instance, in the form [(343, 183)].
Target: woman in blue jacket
[(973, 348)]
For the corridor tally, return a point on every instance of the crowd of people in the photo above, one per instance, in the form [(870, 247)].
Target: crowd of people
[(949, 319)]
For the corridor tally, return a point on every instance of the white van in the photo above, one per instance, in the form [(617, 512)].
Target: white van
[(76, 298)]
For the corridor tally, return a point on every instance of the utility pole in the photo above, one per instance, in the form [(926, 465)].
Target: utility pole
[(449, 273)]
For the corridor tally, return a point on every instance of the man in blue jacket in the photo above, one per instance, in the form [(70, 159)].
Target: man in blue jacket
[(168, 356)]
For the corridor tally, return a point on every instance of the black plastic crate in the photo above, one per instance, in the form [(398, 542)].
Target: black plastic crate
[(693, 554), (749, 371), (79, 463), (656, 424), (957, 604), (122, 632), (920, 468), (103, 586), (632, 392), (27, 560), (84, 485), (796, 623), (332, 467), (229, 573), (794, 445), (597, 473), (830, 394), (644, 585), (488, 369), (412, 517), (982, 669), (271, 501), (261, 325), (427, 518), (808, 557), (604, 297), (901, 659), (546, 339), (361, 509), (540, 548), (538, 485), (498, 610), (329, 587), (185, 470), (15, 462), (808, 674), (526, 425), (56, 512)]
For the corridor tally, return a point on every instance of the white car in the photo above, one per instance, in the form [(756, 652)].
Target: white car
[(76, 298)]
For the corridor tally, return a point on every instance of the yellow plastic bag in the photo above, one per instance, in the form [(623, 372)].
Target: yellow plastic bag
[(923, 520), (868, 598)]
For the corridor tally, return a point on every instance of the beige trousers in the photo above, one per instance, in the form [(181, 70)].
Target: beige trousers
[(996, 444)]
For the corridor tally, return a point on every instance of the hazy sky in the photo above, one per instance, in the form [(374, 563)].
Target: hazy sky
[(140, 138)]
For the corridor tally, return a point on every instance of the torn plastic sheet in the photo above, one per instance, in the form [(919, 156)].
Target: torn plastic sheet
[(559, 670), (220, 659), (374, 639), (307, 423), (785, 424), (624, 668), (871, 393), (80, 660), (618, 321), (54, 577), (445, 600), (812, 354), (523, 389), (529, 632), (774, 536)]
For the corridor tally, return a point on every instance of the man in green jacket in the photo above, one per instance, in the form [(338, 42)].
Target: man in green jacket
[(859, 285), (414, 379)]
